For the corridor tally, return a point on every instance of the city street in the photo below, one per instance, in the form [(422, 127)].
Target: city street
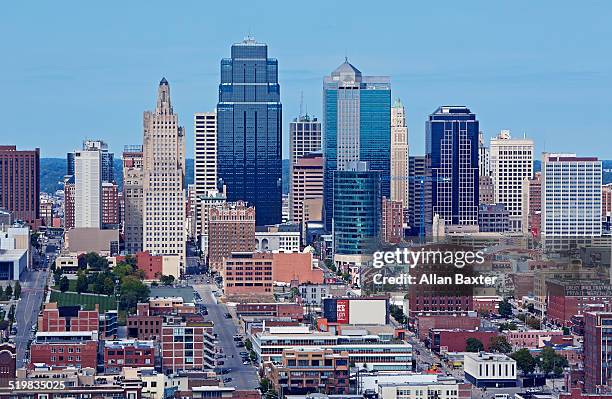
[(243, 376), (26, 313)]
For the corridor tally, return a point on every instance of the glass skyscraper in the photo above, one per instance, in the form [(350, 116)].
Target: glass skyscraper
[(357, 127), (357, 209), (452, 165), (249, 125)]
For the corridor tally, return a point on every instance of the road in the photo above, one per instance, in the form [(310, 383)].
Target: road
[(243, 376), (26, 314)]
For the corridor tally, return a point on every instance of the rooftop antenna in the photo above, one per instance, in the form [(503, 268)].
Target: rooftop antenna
[(301, 102)]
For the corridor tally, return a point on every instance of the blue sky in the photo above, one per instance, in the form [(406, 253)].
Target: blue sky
[(71, 70)]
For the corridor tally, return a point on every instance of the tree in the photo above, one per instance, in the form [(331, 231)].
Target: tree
[(132, 291), (566, 331), (248, 345), (473, 345), (17, 292), (265, 385), (524, 360), (96, 262), (122, 269), (57, 276), (81, 283), (64, 284), (505, 308), (2, 295), (166, 280), (500, 344), (9, 292), (552, 362)]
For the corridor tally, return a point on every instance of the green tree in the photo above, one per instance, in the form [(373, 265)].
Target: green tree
[(166, 280), (57, 276), (17, 292), (132, 291), (64, 284), (521, 316), (505, 308), (566, 331), (524, 360), (500, 344), (9, 292), (81, 283), (473, 345), (96, 262), (3, 295), (248, 345), (552, 362), (265, 385), (122, 269)]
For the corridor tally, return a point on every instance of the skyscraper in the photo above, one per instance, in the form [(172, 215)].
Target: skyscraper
[(511, 164), (163, 179), (416, 194), (249, 123), (399, 154), (19, 183), (305, 163), (205, 160), (357, 127), (452, 164), (133, 199), (571, 198), (357, 212), (88, 189), (484, 163), (107, 171)]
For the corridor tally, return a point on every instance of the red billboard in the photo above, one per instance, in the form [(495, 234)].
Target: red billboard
[(342, 311)]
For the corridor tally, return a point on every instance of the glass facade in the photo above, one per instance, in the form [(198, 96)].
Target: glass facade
[(357, 198), (357, 127), (452, 163), (249, 124)]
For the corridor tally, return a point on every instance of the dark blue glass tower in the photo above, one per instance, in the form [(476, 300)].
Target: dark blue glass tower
[(452, 165), (357, 127), (249, 130)]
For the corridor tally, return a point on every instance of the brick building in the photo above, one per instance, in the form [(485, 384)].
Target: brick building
[(465, 321), (187, 345), (110, 205), (304, 371), (65, 348), (392, 221), (69, 193), (231, 228), (8, 363), (292, 310), (569, 297), (597, 351), (20, 183), (456, 340), (128, 353), (67, 318), (144, 325)]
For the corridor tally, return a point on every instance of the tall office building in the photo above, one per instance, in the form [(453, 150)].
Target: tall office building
[(511, 164), (20, 183), (357, 212), (231, 228), (484, 161), (110, 205), (452, 164), (399, 154), (107, 159), (571, 198), (597, 352), (163, 179), (417, 194), (205, 160), (133, 199), (392, 221), (69, 193), (307, 189), (249, 130), (88, 189), (532, 204), (357, 127), (304, 137)]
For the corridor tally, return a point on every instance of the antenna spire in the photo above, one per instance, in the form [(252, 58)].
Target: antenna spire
[(301, 102)]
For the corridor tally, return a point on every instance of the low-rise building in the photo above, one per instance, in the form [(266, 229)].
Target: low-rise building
[(365, 350), (456, 340), (128, 353), (187, 345), (144, 325), (490, 370), (13, 262), (278, 238), (66, 348), (291, 310), (465, 321), (424, 386), (55, 318), (304, 370), (83, 240), (531, 339)]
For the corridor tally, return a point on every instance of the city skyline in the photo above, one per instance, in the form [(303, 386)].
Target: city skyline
[(561, 86)]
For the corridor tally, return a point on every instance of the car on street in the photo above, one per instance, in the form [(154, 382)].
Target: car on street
[(243, 353), (228, 316), (227, 379), (245, 363)]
